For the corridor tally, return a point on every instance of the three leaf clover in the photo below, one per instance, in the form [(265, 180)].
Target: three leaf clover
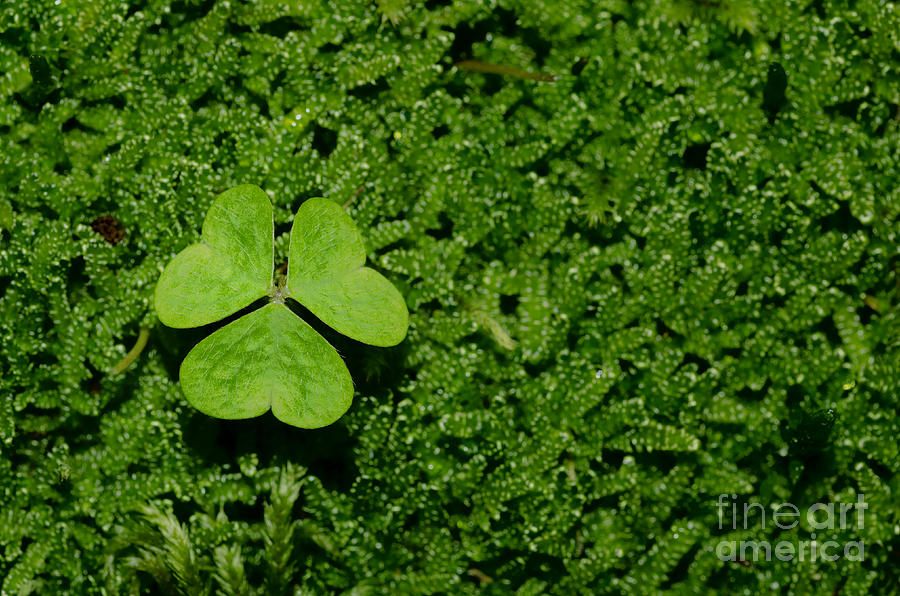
[(271, 358)]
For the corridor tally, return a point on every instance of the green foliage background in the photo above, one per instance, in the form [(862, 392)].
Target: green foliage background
[(666, 274)]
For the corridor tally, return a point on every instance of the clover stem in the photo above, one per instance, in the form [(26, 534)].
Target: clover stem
[(279, 292), (133, 353)]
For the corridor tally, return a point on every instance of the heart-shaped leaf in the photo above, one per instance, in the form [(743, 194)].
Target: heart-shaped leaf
[(326, 274), (231, 266), (269, 358)]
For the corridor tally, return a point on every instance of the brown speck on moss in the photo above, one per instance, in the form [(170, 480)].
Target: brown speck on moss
[(110, 228)]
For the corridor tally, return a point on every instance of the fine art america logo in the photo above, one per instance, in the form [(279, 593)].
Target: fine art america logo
[(786, 516)]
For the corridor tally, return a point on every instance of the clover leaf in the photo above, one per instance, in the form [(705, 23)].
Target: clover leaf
[(326, 275), (271, 358)]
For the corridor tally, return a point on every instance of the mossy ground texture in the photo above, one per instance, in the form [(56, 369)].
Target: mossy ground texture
[(649, 250)]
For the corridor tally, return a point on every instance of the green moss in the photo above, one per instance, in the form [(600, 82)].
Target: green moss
[(632, 288)]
